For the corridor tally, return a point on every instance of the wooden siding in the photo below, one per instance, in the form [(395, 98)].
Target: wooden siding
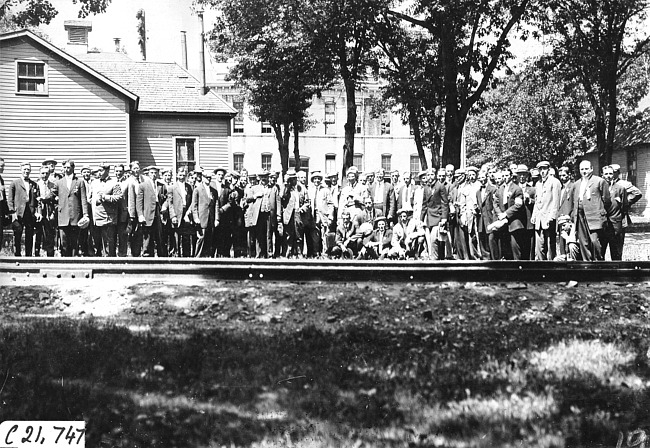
[(152, 141), (78, 119)]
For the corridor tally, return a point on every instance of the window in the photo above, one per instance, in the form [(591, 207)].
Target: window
[(631, 166), (330, 118), (266, 128), (330, 163), (304, 164), (385, 162), (186, 152), (266, 162), (385, 123), (359, 125), (358, 161), (414, 166), (238, 122), (31, 77), (238, 161)]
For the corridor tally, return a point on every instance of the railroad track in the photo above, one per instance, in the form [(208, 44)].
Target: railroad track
[(324, 270)]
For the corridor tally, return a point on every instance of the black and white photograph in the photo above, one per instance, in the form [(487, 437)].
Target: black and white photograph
[(325, 223)]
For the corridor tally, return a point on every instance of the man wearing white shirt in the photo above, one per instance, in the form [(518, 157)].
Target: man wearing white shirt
[(46, 227)]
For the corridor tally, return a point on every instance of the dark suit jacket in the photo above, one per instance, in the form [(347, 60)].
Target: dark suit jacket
[(224, 211), (435, 204), (73, 202), (343, 234), (203, 206), (150, 201), (19, 201), (566, 199), (254, 205), (595, 203), (618, 205), (515, 210), (385, 241), (485, 201)]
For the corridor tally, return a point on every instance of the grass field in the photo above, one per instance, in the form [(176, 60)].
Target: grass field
[(318, 365)]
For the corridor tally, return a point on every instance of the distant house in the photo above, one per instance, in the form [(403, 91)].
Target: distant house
[(632, 153), (93, 107)]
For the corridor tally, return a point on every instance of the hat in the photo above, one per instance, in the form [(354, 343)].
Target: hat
[(421, 174), (365, 229), (153, 167), (408, 211), (86, 167), (352, 169), (564, 219), (206, 173), (291, 173), (96, 169), (83, 222), (471, 168), (544, 164), (521, 169), (223, 170), (534, 172), (395, 172), (235, 173), (316, 174), (459, 172), (104, 165), (166, 170), (615, 167), (380, 218), (333, 174), (265, 173), (45, 162)]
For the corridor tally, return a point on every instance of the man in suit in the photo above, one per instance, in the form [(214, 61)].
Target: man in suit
[(291, 216), (378, 244), (486, 215), (86, 243), (332, 182), (72, 206), (547, 200), (46, 227), (509, 205), (135, 231), (565, 205), (222, 240), (385, 202), (408, 236), (591, 200), (105, 196), (322, 206), (348, 241), (265, 214), (24, 208), (624, 195), (404, 193), (150, 198), (434, 215), (179, 197), (204, 198), (122, 174), (239, 238)]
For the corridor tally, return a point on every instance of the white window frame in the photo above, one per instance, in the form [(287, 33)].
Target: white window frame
[(360, 168), (390, 161), (242, 160), (46, 87), (266, 125), (197, 149), (238, 120), (270, 156), (331, 157)]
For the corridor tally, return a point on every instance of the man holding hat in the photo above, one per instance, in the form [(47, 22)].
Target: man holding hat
[(105, 193), (624, 195), (509, 205), (408, 236), (379, 243), (264, 214), (71, 207), (291, 217), (434, 215), (47, 226), (50, 164), (547, 202)]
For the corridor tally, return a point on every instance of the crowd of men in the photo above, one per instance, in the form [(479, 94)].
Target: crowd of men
[(469, 214)]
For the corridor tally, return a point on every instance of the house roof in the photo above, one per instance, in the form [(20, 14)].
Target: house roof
[(93, 73), (638, 133), (161, 87)]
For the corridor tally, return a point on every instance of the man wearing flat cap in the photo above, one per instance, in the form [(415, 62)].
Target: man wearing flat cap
[(264, 214), (509, 206), (105, 194), (547, 202)]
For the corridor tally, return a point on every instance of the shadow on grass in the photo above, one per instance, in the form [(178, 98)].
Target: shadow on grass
[(227, 387)]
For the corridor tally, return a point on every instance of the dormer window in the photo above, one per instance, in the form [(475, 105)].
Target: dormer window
[(31, 77)]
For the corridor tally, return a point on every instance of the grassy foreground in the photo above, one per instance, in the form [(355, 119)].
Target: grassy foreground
[(311, 365)]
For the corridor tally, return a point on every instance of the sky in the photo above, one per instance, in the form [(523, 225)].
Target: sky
[(165, 19)]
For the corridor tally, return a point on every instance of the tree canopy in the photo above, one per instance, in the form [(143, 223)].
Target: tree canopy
[(32, 13)]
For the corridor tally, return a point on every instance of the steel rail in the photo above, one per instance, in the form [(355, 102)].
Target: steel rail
[(328, 270)]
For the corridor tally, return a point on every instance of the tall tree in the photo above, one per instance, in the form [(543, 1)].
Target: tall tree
[(275, 64), (596, 42), (141, 28), (472, 39), (32, 13)]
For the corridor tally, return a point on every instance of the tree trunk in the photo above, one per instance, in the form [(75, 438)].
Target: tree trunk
[(453, 138), (350, 124), (296, 149), (606, 158), (283, 144), (453, 122), (601, 138), (417, 135)]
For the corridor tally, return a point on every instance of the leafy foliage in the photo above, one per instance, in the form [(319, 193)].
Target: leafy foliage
[(32, 13), (533, 115), (142, 33)]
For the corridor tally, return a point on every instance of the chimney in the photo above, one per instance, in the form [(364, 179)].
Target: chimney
[(117, 44), (183, 50), (204, 89), (77, 36)]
